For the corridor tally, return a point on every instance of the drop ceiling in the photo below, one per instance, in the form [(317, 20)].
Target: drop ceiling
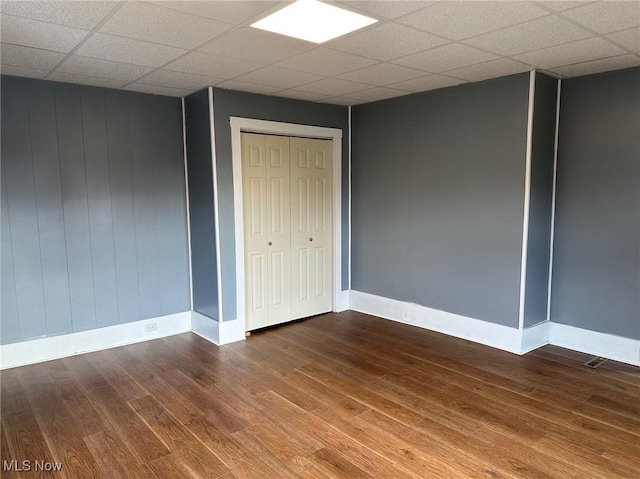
[(178, 47)]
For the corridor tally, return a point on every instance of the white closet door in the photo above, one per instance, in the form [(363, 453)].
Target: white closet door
[(254, 190), (278, 229), (267, 213), (311, 226)]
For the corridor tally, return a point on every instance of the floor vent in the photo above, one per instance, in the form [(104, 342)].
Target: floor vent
[(595, 362)]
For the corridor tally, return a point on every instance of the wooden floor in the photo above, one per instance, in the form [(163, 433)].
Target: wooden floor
[(341, 395)]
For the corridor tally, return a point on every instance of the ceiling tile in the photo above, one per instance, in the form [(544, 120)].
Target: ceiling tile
[(382, 74), (605, 17), (492, 69), (323, 61), (386, 41), (179, 80), (234, 12), (447, 57), (248, 87), (560, 5), (255, 45), (534, 35), (627, 38), (334, 87), (385, 9), (152, 23), (97, 67), (378, 93), (126, 50), (157, 90), (32, 33), (85, 15), (22, 72), (84, 80), (425, 83), (29, 57), (597, 66), (210, 65), (458, 20), (343, 101), (569, 53), (301, 95), (279, 77)]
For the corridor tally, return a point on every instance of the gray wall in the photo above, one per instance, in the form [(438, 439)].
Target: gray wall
[(201, 209), (93, 208), (596, 266), (438, 191), (541, 199), (231, 103)]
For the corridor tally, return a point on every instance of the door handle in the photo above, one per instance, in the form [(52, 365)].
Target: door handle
[(269, 243), (310, 239)]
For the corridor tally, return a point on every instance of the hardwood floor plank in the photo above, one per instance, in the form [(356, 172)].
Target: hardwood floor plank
[(26, 443), (64, 439), (265, 457), (366, 396), (140, 440), (113, 459), (12, 397), (115, 376), (327, 463), (5, 454), (205, 400), (84, 371), (185, 448), (75, 398)]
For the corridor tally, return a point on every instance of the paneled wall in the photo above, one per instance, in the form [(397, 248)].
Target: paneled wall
[(596, 266), (93, 208), (438, 195)]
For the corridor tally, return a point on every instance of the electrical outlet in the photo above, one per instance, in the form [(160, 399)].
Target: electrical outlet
[(150, 327)]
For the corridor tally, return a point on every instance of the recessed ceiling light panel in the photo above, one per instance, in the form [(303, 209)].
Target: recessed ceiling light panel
[(313, 21)]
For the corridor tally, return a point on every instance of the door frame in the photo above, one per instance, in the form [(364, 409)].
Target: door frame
[(250, 125)]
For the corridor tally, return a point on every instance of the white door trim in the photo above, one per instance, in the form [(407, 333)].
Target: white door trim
[(239, 125)]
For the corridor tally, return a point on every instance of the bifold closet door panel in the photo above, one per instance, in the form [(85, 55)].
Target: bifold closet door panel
[(311, 226), (278, 228), (267, 229), (255, 229)]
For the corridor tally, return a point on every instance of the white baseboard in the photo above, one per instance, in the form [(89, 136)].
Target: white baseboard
[(55, 347), (534, 337), (232, 331), (483, 332), (205, 327), (609, 346), (343, 301), (215, 332)]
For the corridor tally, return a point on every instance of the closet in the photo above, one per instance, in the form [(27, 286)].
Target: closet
[(288, 223)]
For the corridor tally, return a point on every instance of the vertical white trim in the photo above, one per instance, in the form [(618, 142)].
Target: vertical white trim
[(337, 221), (186, 190), (527, 198), (238, 208), (262, 126), (216, 215), (349, 203), (553, 200)]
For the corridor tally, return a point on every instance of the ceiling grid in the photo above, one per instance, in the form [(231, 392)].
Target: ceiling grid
[(178, 47)]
